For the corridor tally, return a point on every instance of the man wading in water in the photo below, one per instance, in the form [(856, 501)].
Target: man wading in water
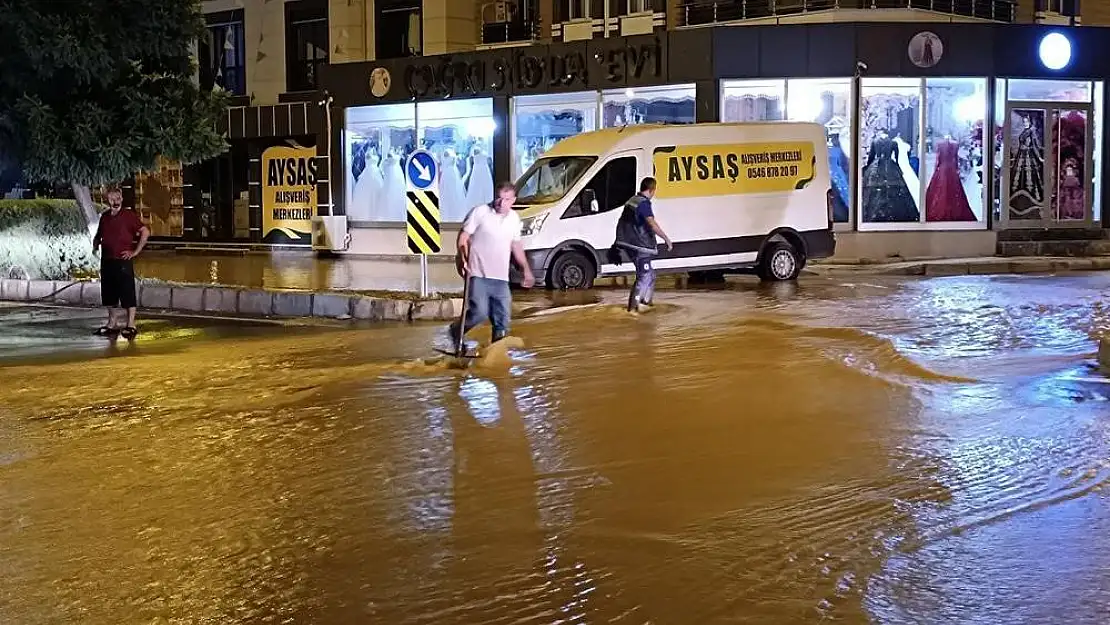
[(636, 232), (115, 238), (490, 238)]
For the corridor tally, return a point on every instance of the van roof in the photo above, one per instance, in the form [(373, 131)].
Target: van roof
[(625, 137)]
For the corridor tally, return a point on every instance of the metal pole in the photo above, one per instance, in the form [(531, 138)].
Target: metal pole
[(423, 275)]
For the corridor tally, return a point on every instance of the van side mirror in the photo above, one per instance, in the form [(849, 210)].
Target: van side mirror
[(589, 201)]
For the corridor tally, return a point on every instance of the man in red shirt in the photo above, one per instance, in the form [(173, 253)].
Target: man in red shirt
[(115, 237)]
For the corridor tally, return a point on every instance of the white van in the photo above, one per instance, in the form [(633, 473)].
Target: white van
[(730, 196)]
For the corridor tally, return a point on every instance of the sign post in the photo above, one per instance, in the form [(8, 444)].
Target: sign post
[(422, 201)]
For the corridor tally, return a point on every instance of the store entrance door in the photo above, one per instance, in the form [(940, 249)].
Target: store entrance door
[(1047, 155)]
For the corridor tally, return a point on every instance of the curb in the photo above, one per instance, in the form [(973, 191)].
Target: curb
[(984, 267), (192, 298)]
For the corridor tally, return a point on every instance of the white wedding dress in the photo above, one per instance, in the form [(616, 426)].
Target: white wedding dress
[(908, 173), (452, 200), (367, 189), (479, 189), (391, 202)]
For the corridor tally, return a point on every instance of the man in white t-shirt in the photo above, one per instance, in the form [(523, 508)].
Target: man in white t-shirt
[(489, 239)]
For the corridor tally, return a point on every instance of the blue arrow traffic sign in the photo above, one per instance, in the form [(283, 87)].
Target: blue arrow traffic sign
[(421, 170)]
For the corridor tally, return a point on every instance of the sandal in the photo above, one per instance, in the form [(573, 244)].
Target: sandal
[(128, 333), (105, 331)]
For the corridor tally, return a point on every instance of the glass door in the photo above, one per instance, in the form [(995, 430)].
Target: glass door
[(1046, 161)]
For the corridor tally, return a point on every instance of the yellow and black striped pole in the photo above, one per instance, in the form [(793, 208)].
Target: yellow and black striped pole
[(423, 222), (422, 198)]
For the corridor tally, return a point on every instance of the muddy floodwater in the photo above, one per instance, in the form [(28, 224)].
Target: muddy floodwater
[(853, 451)]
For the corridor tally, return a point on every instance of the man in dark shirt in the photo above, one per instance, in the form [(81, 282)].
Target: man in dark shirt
[(636, 232), (115, 238)]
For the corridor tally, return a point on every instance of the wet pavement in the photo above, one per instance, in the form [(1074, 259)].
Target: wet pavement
[(876, 450)]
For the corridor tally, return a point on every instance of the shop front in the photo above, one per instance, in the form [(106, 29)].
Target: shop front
[(942, 137), (261, 193)]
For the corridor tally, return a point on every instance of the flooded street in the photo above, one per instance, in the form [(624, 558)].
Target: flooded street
[(857, 450)]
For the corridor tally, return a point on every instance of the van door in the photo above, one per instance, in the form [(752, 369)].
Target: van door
[(596, 209)]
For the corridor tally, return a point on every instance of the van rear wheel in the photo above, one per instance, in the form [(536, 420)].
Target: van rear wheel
[(571, 271), (780, 262)]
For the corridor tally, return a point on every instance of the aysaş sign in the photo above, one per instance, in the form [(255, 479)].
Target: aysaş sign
[(289, 175)]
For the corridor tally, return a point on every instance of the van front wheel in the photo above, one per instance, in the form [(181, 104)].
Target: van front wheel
[(780, 262), (571, 271)]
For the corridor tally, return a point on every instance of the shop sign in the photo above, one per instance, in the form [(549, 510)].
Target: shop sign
[(455, 76), (708, 170), (289, 175), (925, 49), (380, 81)]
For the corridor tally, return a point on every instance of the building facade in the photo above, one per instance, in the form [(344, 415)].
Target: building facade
[(991, 112)]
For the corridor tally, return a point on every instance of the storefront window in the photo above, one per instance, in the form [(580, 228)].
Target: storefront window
[(460, 134), (829, 103), (159, 198), (1051, 151), (541, 121), (955, 113), (752, 100), (378, 140), (890, 130), (649, 105), (1033, 90)]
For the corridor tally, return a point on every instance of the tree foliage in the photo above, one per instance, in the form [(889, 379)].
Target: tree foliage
[(92, 91)]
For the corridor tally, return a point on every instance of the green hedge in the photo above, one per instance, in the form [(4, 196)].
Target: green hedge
[(44, 240), (56, 216)]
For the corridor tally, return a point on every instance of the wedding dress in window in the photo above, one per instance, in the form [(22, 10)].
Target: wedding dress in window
[(452, 201), (367, 188), (391, 202), (479, 189), (908, 174)]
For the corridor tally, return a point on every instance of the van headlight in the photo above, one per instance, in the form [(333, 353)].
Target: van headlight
[(532, 225)]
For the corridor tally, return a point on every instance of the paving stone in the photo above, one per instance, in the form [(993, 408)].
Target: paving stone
[(70, 293), (40, 290), (328, 305), (189, 298), (989, 267), (158, 297), (221, 300), (16, 290), (91, 294), (256, 302), (431, 310), (293, 304)]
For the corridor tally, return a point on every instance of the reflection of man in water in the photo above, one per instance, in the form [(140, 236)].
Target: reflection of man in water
[(636, 232)]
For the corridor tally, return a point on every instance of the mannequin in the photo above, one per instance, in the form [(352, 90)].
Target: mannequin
[(391, 206), (479, 188), (453, 206), (908, 174), (368, 187)]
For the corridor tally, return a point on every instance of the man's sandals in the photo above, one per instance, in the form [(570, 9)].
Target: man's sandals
[(127, 333)]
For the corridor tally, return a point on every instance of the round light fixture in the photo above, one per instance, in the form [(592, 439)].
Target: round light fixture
[(1055, 51)]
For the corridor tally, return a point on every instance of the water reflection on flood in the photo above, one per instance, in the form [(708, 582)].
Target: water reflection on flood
[(887, 452)]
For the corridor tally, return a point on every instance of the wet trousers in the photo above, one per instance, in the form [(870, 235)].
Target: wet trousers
[(643, 289), (487, 299)]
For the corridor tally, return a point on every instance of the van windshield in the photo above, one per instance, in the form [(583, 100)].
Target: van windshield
[(550, 179)]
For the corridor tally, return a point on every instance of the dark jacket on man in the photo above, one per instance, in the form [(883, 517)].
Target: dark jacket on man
[(635, 238)]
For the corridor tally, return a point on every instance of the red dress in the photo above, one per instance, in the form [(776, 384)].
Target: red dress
[(945, 199)]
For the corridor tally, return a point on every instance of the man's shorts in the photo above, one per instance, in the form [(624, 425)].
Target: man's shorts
[(117, 283)]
